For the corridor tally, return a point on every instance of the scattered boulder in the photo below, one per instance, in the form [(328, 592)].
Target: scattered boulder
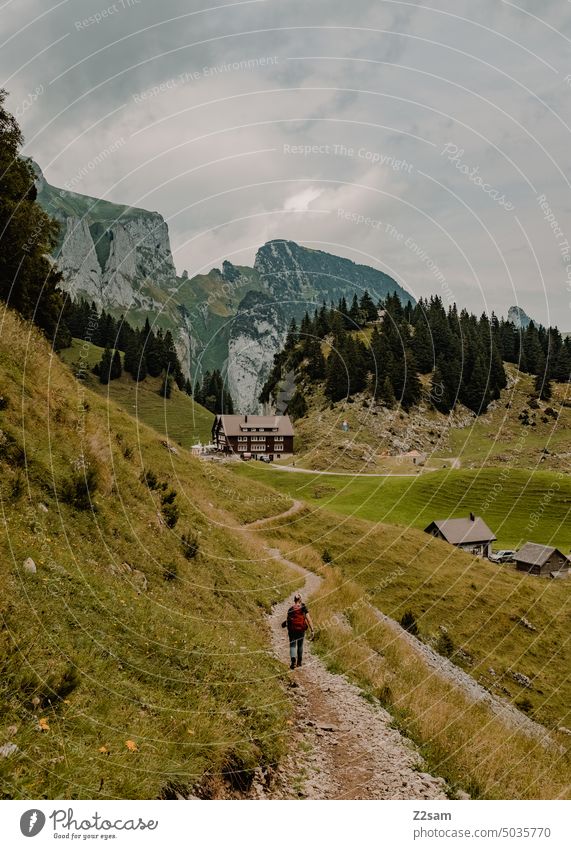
[(139, 580), (527, 624), (29, 566), (564, 730), (42, 507), (522, 679), (169, 446)]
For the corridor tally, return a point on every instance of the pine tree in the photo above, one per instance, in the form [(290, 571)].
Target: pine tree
[(335, 378), (386, 394), (475, 390), (422, 347), (297, 406), (412, 389), (116, 367), (542, 383), (104, 368), (368, 308), (28, 277)]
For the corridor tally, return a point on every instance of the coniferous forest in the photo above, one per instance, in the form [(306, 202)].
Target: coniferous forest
[(462, 355)]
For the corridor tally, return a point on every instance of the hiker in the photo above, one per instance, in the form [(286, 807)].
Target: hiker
[(297, 622)]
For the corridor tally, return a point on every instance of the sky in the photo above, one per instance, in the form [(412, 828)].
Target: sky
[(430, 140)]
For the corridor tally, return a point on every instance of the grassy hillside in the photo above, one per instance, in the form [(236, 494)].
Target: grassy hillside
[(134, 660), (517, 504), (178, 417), (511, 433), (479, 603)]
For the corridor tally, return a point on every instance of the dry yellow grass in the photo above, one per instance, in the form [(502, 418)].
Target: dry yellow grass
[(462, 740)]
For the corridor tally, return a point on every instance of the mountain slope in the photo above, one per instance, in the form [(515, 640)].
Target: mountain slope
[(307, 277), (120, 257), (131, 663)]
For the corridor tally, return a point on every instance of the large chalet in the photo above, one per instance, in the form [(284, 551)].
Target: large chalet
[(253, 436)]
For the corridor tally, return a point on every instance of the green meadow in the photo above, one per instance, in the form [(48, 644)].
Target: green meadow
[(517, 504)]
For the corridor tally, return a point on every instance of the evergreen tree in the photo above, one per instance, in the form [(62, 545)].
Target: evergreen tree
[(28, 277), (475, 391), (104, 368), (335, 378), (368, 308), (386, 393), (297, 406), (116, 367), (422, 347), (542, 383)]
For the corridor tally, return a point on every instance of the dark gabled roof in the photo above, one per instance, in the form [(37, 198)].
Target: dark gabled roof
[(236, 425), (458, 531), (535, 554)]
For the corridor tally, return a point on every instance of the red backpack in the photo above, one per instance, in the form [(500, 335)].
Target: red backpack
[(296, 619)]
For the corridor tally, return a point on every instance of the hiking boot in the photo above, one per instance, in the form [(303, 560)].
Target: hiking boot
[(299, 663), (292, 664)]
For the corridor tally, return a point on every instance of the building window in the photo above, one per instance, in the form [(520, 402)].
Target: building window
[(278, 439), (278, 448)]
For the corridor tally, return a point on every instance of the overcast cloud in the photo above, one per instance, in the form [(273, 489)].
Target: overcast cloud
[(418, 140)]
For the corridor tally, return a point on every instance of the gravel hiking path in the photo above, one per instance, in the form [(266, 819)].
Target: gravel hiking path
[(342, 747)]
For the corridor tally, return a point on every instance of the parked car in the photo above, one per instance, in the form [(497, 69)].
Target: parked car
[(504, 555)]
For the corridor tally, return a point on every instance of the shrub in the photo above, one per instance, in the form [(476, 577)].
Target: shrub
[(171, 514), (11, 450), (4, 402), (326, 556), (408, 622), (168, 497), (525, 705), (445, 644), (17, 486), (170, 571), (128, 452), (150, 478), (78, 489), (190, 545)]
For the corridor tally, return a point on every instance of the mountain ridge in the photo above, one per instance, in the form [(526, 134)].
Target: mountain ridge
[(120, 257)]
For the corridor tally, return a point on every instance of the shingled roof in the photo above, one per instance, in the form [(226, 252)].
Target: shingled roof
[(459, 531), (535, 554)]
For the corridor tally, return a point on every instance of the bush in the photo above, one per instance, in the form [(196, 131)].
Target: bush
[(150, 478), (171, 514), (170, 571), (525, 705), (128, 452), (168, 497), (445, 644), (78, 489), (190, 545), (326, 556), (408, 622), (4, 402)]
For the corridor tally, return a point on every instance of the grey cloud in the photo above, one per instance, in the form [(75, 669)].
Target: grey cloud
[(470, 92)]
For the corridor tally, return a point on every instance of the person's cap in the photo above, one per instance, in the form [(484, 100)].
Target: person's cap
[(297, 597)]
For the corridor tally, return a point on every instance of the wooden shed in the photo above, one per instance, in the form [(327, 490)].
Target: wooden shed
[(470, 534), (541, 559)]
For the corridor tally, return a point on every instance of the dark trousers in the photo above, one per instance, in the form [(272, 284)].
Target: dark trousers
[(296, 646)]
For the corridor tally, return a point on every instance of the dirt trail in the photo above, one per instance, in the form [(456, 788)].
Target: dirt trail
[(343, 747), (296, 507)]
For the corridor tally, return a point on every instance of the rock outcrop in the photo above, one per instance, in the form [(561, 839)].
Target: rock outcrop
[(257, 332), (234, 320), (519, 317)]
